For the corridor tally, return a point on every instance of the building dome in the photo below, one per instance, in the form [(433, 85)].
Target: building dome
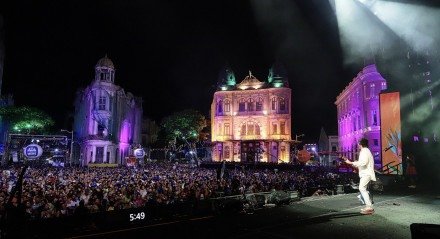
[(105, 62), (250, 82)]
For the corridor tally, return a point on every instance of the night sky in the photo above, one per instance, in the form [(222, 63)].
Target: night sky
[(170, 53)]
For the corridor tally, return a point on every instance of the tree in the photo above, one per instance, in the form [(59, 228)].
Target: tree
[(23, 120), (184, 126)]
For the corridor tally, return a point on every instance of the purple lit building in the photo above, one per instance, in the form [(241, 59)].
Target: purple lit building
[(108, 120), (358, 113)]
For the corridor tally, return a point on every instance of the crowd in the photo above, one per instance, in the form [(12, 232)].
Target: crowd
[(58, 192)]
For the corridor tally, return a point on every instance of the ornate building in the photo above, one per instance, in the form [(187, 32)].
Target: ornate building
[(107, 122), (358, 112), (251, 121)]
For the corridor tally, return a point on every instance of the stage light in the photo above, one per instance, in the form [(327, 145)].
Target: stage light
[(368, 3), (418, 25)]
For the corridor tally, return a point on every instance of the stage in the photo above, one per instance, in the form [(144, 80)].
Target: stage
[(335, 216)]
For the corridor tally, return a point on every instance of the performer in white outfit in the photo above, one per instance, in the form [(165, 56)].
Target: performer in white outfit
[(365, 166)]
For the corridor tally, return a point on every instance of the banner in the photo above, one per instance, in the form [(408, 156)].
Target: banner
[(390, 125)]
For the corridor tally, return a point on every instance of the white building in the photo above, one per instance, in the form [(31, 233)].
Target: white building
[(107, 122)]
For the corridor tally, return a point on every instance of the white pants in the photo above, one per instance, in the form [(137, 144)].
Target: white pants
[(363, 189)]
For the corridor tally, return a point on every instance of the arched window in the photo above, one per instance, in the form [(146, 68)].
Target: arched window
[(242, 105), (250, 128), (274, 103), (259, 104), (220, 106), (282, 103), (250, 104), (243, 129), (227, 107)]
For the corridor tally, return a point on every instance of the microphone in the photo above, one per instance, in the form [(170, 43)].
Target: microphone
[(388, 148)]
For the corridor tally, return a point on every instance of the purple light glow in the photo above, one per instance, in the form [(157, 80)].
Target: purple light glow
[(358, 112), (125, 133)]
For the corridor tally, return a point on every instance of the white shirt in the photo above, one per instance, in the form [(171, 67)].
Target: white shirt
[(365, 164)]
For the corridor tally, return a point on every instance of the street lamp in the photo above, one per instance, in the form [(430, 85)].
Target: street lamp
[(71, 145)]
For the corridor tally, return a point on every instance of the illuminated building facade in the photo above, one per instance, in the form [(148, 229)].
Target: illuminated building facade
[(358, 113), (251, 121), (108, 120)]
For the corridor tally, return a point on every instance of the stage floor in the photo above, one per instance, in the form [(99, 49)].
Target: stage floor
[(312, 217)]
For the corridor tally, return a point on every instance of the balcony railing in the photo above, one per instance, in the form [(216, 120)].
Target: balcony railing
[(98, 137)]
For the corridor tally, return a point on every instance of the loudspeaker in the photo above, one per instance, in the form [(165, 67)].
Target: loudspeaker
[(425, 231)]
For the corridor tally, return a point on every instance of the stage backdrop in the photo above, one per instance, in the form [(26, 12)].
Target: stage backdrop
[(390, 126)]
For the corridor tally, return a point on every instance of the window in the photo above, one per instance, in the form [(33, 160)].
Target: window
[(220, 106), (376, 142), (101, 129), (227, 129), (372, 90), (365, 119), (109, 126), (227, 152), (243, 130), (102, 102), (250, 104), (250, 128), (110, 104), (283, 127), (242, 105), (274, 103), (274, 128), (374, 117), (365, 92), (282, 104), (384, 85), (259, 105), (227, 107), (220, 129), (257, 129)]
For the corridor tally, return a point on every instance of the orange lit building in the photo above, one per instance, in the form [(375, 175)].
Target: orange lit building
[(251, 121)]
